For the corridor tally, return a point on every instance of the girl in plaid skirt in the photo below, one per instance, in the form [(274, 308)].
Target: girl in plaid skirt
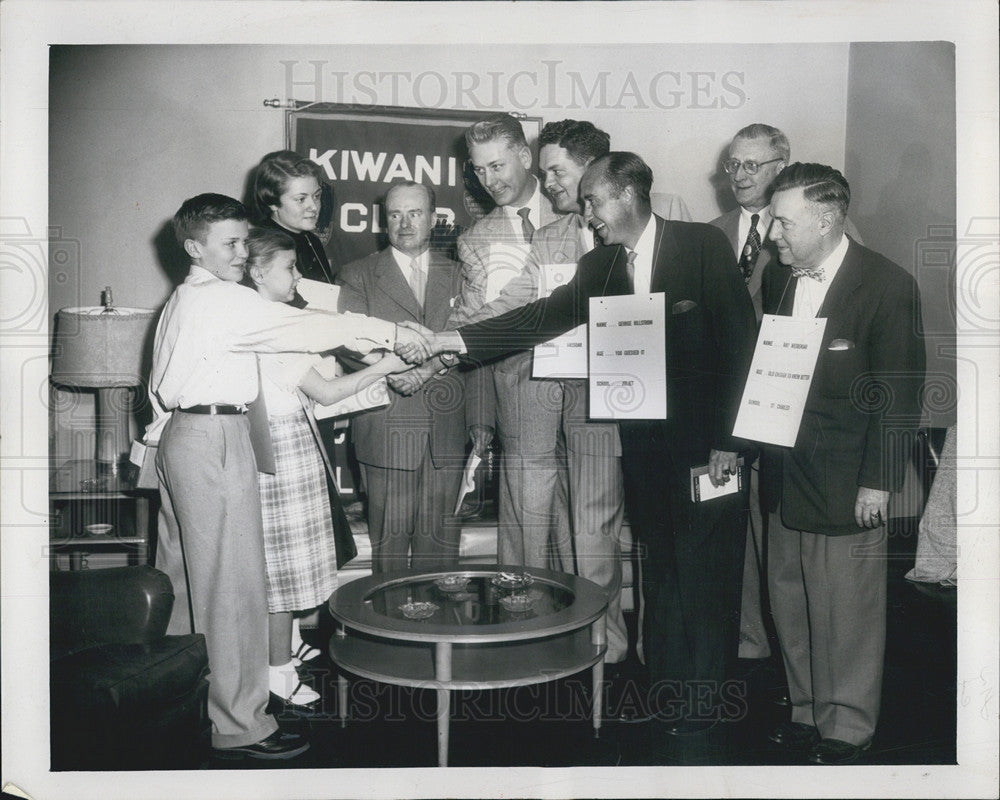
[(298, 528)]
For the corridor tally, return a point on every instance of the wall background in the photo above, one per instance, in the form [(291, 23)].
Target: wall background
[(134, 130)]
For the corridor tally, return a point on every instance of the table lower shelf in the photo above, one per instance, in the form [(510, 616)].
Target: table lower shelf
[(487, 666)]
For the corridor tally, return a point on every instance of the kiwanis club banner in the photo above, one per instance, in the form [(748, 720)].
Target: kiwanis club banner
[(362, 151)]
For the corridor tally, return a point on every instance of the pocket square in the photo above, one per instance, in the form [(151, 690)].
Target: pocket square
[(683, 305), (841, 344)]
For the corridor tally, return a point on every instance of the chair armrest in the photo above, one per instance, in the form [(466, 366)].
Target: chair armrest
[(123, 605)]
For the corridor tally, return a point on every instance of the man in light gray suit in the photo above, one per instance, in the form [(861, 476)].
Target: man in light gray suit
[(534, 526)]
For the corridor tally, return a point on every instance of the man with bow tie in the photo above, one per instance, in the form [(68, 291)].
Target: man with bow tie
[(827, 496), (756, 155)]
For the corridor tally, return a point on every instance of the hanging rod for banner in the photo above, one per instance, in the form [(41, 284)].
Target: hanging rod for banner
[(298, 105)]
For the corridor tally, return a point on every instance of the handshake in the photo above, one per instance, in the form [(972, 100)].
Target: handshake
[(415, 343), (418, 345)]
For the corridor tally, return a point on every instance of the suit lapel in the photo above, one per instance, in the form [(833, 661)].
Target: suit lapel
[(845, 283), (390, 280), (664, 254), (730, 225), (438, 293)]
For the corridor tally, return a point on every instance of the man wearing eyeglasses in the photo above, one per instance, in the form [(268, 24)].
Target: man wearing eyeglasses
[(757, 154)]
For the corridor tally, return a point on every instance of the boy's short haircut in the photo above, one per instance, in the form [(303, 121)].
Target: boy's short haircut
[(273, 174), (263, 243), (196, 214)]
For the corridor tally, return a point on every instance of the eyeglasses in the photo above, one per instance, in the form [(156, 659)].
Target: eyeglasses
[(733, 165)]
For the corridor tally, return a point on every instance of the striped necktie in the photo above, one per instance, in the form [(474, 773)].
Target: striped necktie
[(750, 250)]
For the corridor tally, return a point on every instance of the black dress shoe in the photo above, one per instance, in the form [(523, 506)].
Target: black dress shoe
[(834, 752), (794, 735), (279, 745), (627, 694), (691, 727)]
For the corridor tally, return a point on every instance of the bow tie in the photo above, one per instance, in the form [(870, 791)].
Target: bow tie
[(816, 273)]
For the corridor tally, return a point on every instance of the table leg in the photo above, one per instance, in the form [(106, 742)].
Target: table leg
[(342, 700), (598, 636), (341, 684), (142, 529), (442, 673)]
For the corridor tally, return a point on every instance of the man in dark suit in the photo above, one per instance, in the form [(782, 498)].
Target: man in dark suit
[(756, 156), (827, 497), (411, 451), (534, 524), (693, 551)]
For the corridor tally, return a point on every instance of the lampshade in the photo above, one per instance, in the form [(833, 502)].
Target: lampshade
[(97, 347)]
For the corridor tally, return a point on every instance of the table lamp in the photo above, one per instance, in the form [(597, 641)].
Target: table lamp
[(101, 348)]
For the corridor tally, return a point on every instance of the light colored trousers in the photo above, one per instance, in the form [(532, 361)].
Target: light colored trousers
[(210, 540), (828, 598)]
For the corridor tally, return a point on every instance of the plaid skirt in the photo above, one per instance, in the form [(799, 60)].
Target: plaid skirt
[(298, 532)]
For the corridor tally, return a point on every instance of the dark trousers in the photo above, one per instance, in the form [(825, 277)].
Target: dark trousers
[(692, 573)]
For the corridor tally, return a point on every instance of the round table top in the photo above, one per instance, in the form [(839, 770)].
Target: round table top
[(477, 604)]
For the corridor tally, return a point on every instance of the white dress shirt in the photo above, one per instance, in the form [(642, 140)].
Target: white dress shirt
[(743, 230), (643, 263), (534, 205), (210, 329), (280, 376), (403, 261), (810, 293)]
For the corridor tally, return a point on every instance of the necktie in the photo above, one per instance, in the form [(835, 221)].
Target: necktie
[(418, 281), (527, 229), (816, 273), (630, 270), (750, 250)]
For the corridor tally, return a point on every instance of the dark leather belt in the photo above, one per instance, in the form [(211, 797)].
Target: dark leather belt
[(215, 409)]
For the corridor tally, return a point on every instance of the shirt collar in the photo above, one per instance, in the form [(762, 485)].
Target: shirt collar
[(199, 274), (534, 203), (832, 262), (404, 260), (762, 224), (647, 239)]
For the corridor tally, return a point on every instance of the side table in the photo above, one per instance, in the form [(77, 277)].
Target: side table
[(79, 496)]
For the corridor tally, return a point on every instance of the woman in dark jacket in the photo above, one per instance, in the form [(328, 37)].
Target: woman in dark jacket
[(288, 192)]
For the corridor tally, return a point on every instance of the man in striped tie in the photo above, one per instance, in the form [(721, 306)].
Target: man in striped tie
[(534, 518), (756, 155)]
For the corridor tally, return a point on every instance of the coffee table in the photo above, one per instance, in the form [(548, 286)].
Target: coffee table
[(488, 628)]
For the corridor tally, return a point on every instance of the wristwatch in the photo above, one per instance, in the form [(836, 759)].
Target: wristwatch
[(448, 359)]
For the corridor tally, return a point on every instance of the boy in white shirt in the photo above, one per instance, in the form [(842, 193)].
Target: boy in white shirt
[(210, 536)]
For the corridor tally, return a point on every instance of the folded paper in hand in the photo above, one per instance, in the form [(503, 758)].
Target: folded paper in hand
[(468, 479)]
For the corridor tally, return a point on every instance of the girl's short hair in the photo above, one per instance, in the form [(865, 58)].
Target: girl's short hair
[(262, 244), (273, 174)]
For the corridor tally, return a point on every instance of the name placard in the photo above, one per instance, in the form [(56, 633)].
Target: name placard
[(628, 361), (784, 362), (564, 356)]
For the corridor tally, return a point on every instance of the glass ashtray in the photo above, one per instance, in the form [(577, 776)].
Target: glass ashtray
[(418, 610), (512, 580), (517, 603), (452, 583)]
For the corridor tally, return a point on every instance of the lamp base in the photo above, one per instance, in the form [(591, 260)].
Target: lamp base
[(114, 407)]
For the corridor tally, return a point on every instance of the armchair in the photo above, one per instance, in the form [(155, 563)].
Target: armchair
[(123, 694)]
